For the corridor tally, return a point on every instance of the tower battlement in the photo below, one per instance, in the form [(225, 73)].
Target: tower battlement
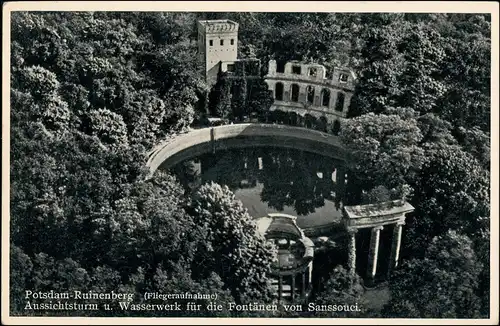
[(217, 42), (219, 26)]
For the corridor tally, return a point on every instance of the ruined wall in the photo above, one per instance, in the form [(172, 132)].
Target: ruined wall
[(206, 140), (241, 81), (296, 87), (305, 89), (250, 68)]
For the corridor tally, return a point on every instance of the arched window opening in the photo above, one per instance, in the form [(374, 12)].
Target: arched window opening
[(300, 121), (336, 127), (322, 124), (310, 121), (343, 78), (279, 91), (293, 119), (325, 97), (310, 94), (295, 93), (339, 106)]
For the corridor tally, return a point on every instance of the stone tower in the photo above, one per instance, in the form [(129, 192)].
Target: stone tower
[(217, 42)]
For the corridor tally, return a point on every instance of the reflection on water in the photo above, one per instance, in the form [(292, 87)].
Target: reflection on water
[(307, 185), (269, 180)]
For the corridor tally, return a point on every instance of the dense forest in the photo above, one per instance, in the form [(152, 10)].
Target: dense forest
[(92, 92)]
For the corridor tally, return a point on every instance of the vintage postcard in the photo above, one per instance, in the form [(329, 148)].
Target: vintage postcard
[(250, 162)]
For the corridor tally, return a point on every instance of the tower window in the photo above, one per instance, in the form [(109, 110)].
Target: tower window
[(221, 42), (296, 70), (232, 41), (211, 42), (343, 78)]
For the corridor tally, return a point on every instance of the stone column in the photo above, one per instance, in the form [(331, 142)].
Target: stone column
[(333, 100), (310, 272), (287, 91), (395, 247), (271, 86), (293, 287), (373, 254), (317, 96), (351, 247), (347, 102)]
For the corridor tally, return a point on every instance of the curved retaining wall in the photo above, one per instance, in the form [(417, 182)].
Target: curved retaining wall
[(206, 140)]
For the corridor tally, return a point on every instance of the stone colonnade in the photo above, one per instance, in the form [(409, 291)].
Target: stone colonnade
[(376, 217), (290, 278), (319, 92), (374, 249)]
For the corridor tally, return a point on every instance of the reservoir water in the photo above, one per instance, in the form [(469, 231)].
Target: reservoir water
[(304, 184), (269, 180)]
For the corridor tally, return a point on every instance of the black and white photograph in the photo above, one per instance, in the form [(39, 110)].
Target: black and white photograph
[(284, 162)]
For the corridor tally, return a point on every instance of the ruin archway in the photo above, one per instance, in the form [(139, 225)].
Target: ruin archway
[(339, 106), (310, 94), (279, 91), (322, 123), (336, 127), (325, 97)]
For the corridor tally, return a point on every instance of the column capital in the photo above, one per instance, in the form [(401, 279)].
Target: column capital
[(377, 228), (400, 223), (352, 230)]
